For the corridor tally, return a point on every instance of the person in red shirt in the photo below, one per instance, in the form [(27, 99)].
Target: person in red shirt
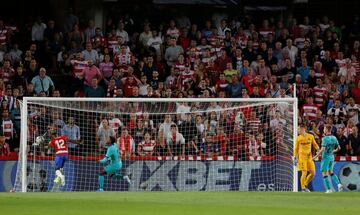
[(99, 41), (128, 84), (237, 142), (59, 143), (221, 139), (126, 144), (355, 92), (223, 60), (184, 40), (4, 147), (222, 83)]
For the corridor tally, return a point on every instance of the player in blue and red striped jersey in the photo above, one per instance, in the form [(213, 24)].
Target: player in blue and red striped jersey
[(59, 143)]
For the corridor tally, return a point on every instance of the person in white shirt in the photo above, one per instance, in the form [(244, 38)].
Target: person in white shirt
[(353, 111), (155, 42), (277, 121), (293, 50), (37, 31), (182, 108), (164, 127), (121, 32), (175, 142)]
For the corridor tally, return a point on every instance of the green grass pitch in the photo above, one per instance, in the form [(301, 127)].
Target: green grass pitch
[(182, 203)]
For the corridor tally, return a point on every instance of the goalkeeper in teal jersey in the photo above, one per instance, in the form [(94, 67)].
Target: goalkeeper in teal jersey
[(329, 146), (113, 168)]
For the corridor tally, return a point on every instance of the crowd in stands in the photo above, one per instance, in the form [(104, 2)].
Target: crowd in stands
[(182, 58)]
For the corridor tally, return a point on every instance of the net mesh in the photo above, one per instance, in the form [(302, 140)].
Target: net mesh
[(172, 145)]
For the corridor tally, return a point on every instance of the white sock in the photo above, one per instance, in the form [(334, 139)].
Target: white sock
[(58, 173), (127, 179)]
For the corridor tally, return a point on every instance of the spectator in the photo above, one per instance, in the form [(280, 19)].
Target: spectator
[(292, 50), (128, 84), (253, 146), (90, 54), (172, 52), (90, 72), (37, 31), (352, 110), (42, 82), (208, 147), (235, 88), (16, 54), (106, 68), (221, 139), (354, 142), (343, 142), (263, 70), (328, 63), (337, 110), (120, 31), (90, 31), (164, 127), (277, 121), (70, 21), (9, 99), (160, 148), (146, 146), (112, 90), (99, 42), (304, 70), (72, 131), (7, 72), (155, 42), (175, 142), (103, 133), (115, 123), (138, 132), (123, 58), (348, 71), (4, 147), (8, 130), (76, 36), (57, 122), (173, 31), (117, 75), (145, 35), (320, 93), (126, 144), (19, 78), (94, 90)]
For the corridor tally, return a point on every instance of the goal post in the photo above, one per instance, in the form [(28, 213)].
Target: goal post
[(173, 144)]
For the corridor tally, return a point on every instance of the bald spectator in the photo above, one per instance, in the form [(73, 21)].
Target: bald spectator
[(293, 50), (42, 82)]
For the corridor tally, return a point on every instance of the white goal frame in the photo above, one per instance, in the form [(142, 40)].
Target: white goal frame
[(26, 100)]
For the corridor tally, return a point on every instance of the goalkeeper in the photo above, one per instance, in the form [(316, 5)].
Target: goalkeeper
[(114, 167), (305, 143)]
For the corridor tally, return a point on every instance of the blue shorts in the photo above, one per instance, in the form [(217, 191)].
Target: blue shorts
[(113, 169), (60, 161), (327, 165)]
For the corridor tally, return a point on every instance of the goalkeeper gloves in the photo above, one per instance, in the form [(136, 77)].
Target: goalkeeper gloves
[(104, 160)]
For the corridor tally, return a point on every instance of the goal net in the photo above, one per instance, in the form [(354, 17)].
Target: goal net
[(165, 144)]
